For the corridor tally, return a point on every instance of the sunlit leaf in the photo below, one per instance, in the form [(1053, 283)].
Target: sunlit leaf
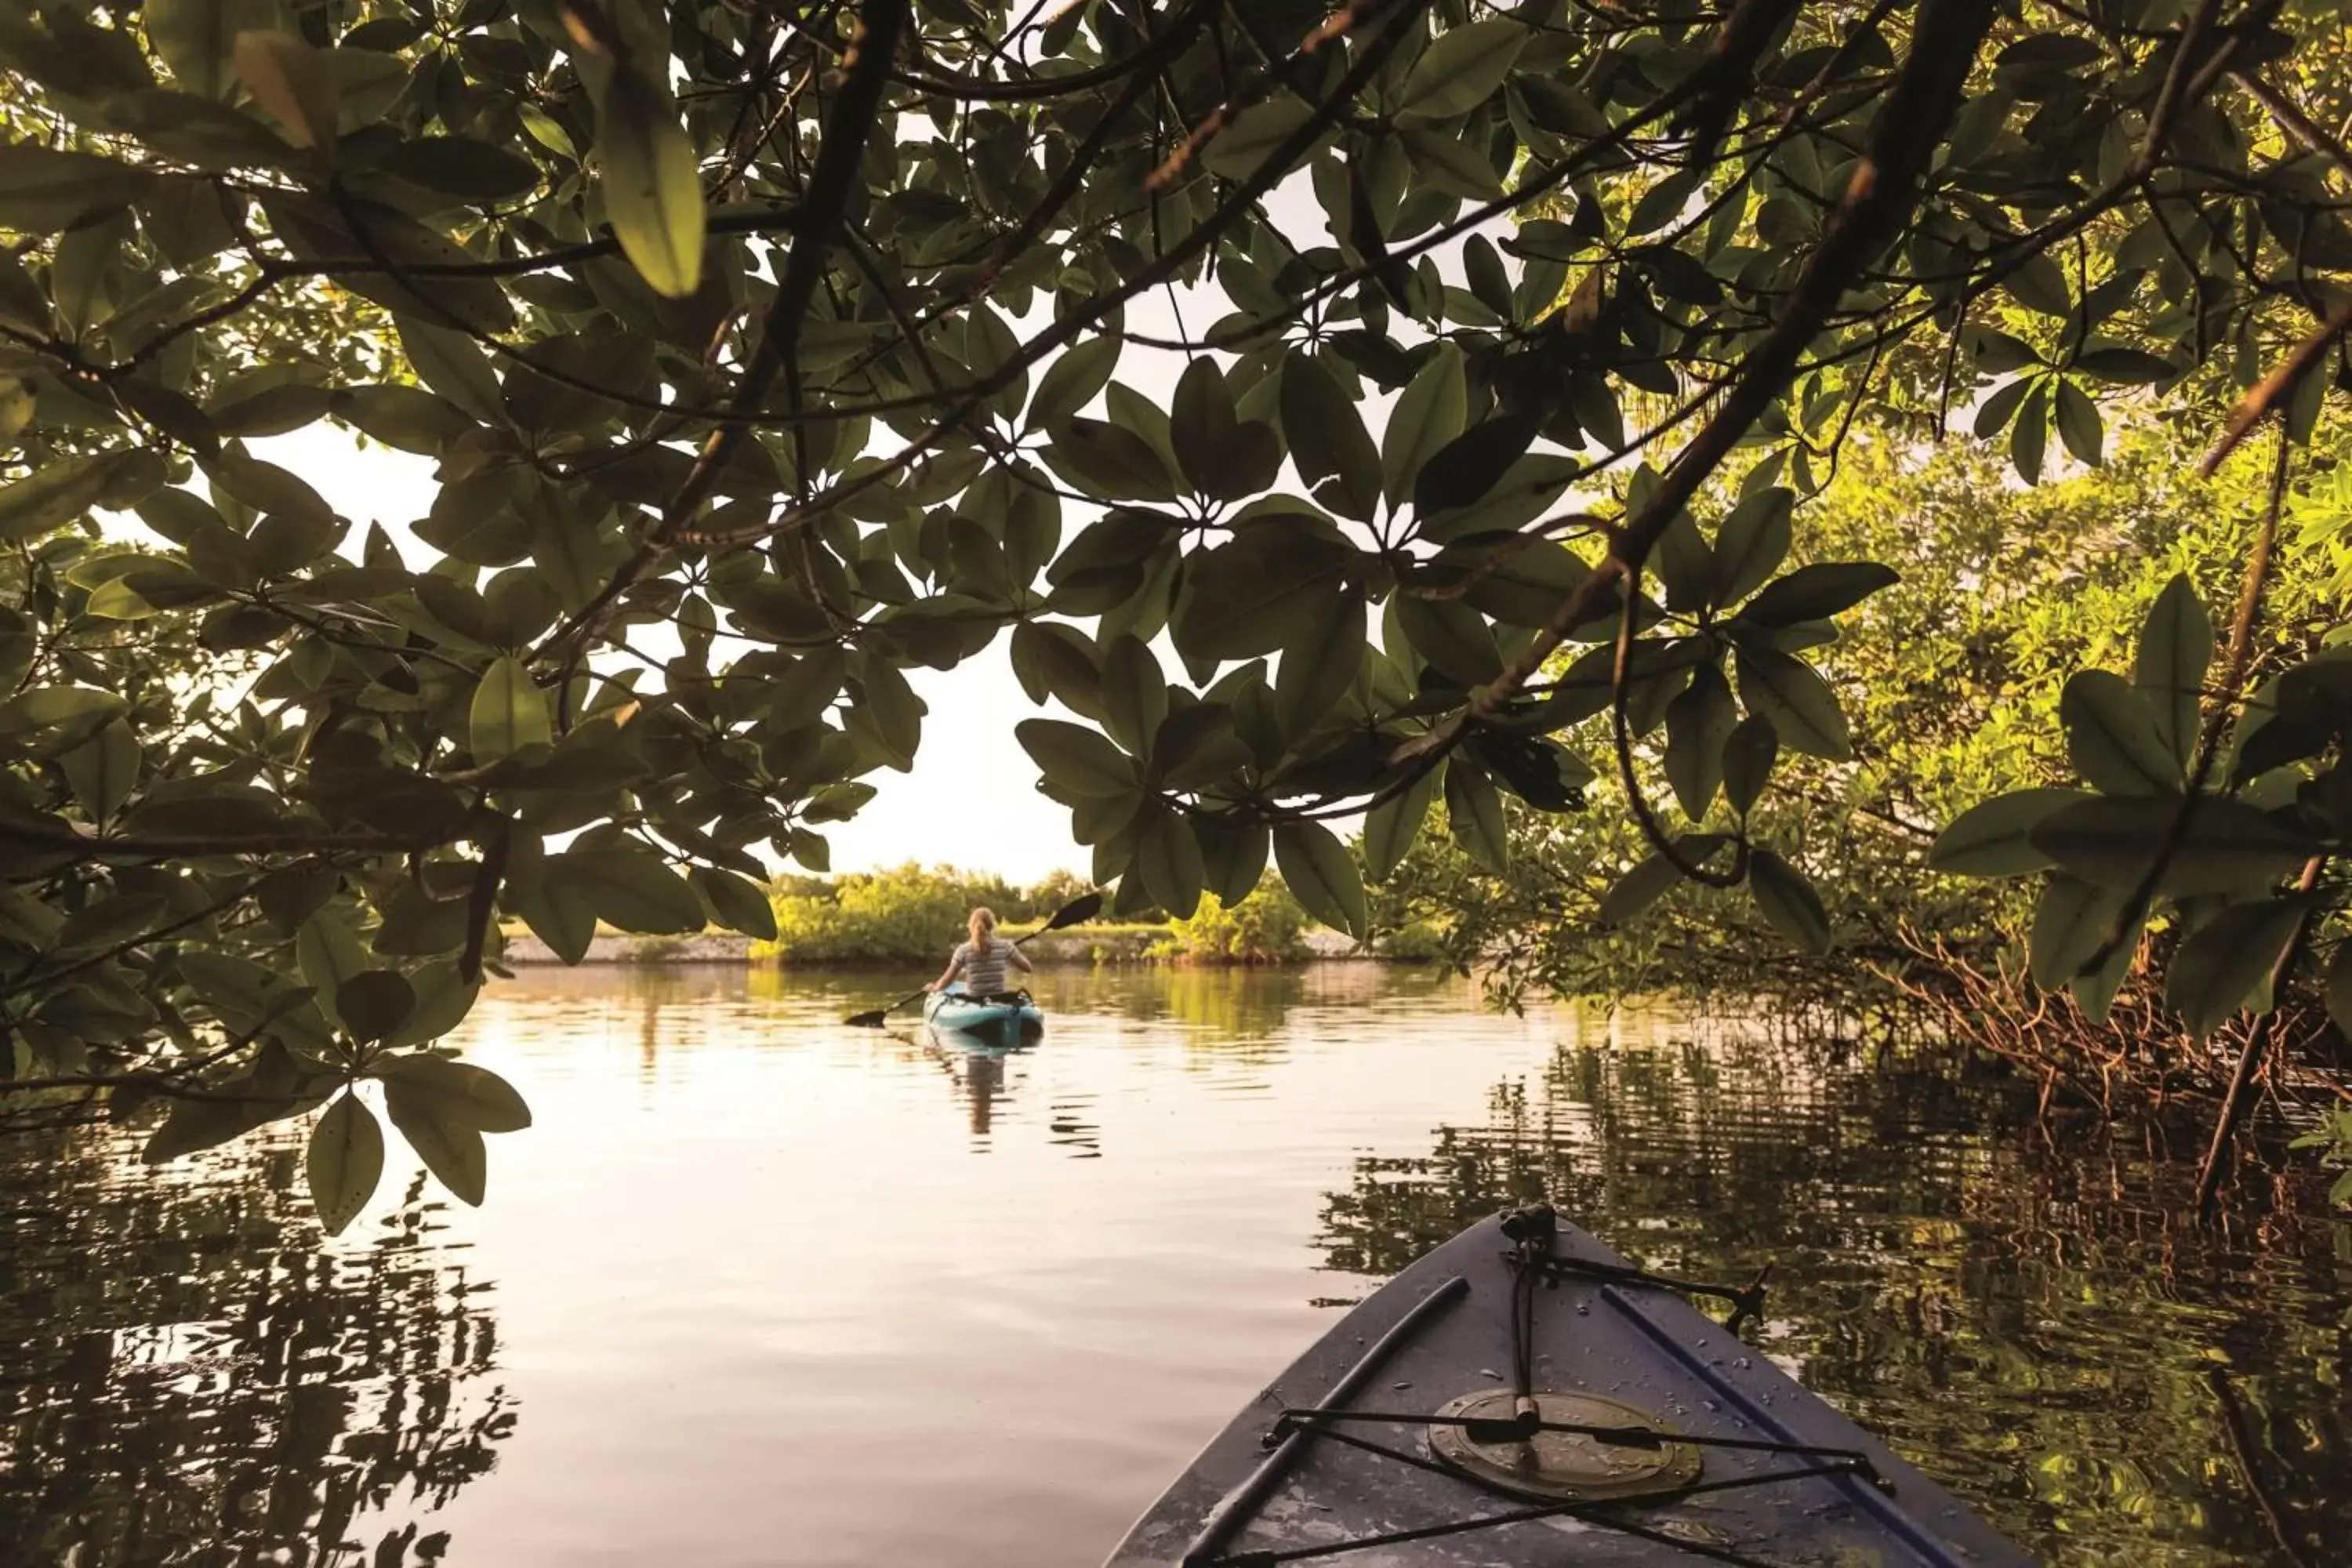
[(653, 186), (343, 1162)]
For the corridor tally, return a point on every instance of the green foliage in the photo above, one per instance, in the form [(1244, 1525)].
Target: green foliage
[(1955, 679), (908, 914), (2333, 1138), (1266, 927), (743, 399)]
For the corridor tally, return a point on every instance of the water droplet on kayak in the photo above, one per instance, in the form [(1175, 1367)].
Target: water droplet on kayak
[(1743, 1363)]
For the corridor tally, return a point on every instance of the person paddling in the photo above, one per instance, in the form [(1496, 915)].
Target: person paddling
[(983, 959)]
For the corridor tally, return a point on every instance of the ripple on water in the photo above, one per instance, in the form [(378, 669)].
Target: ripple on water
[(756, 1289)]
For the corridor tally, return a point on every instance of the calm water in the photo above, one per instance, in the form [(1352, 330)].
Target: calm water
[(759, 1289)]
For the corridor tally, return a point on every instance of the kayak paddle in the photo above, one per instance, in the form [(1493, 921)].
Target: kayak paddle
[(1070, 914)]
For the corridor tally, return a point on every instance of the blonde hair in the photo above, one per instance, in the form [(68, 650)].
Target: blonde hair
[(981, 927)]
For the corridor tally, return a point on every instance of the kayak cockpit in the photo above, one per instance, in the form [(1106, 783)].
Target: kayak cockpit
[(1006, 1017), (1522, 1388)]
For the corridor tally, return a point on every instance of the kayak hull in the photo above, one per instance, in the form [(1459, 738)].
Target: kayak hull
[(1437, 1339), (953, 1014)]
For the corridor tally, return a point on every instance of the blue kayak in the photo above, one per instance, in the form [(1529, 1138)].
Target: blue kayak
[(996, 1021), (1524, 1396)]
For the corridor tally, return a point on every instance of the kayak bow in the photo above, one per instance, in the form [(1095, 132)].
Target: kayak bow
[(1522, 1395)]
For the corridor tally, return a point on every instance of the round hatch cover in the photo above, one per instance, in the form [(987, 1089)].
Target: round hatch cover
[(1564, 1467)]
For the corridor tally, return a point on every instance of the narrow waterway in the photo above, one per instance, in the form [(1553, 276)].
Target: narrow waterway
[(762, 1290)]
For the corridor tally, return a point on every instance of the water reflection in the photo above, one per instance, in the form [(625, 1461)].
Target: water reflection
[(750, 1267), (979, 1075), (186, 1376), (2043, 1331)]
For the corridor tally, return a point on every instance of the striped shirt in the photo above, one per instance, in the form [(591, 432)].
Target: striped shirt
[(984, 969)]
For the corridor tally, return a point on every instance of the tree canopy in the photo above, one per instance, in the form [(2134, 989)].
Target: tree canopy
[(762, 354)]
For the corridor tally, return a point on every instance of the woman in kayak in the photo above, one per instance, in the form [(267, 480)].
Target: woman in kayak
[(983, 959)]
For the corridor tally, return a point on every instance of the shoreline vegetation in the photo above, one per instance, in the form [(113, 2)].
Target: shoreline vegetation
[(913, 915)]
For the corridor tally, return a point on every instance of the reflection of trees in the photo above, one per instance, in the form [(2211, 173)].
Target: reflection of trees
[(2038, 1331), (187, 1376)]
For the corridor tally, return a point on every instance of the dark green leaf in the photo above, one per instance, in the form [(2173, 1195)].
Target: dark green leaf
[(45, 191), (1073, 379), (374, 1004), (461, 1093), (1322, 875), (1995, 413), (1134, 693), (2127, 366), (2176, 644), (1752, 543), (1390, 827), (631, 888), (2079, 425), (462, 167), (1239, 150), (1076, 759), (1686, 565), (2113, 739), (1233, 858), (1796, 701), (1057, 661), (508, 713), (1452, 636), (1788, 901), (2072, 919), (2339, 988), (1322, 665), (2228, 959), (1632, 894), (1328, 440), (195, 38), (276, 1086), (1168, 858), (2029, 438), (1428, 415), (1699, 723), (1201, 426), (1994, 838), (2038, 284), (1460, 70), (734, 902), (1816, 593), (891, 712), (104, 770), (1261, 592), (1748, 757), (57, 493), (1466, 468), (1112, 460), (2230, 847), (1474, 815), (450, 1146)]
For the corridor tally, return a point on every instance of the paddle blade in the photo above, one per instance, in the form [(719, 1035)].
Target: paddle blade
[(1071, 914), (872, 1020)]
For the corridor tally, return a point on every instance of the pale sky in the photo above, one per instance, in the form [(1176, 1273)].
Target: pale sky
[(972, 799)]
